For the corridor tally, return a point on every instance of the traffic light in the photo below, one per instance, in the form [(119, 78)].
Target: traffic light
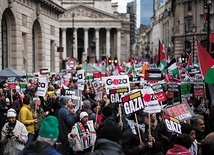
[(109, 61), (115, 61), (183, 59)]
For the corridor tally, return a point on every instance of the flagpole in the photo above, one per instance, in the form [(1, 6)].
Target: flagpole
[(208, 25)]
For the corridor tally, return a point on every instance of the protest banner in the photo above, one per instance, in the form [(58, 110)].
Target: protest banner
[(180, 111), (75, 94), (151, 103), (198, 88), (42, 86), (132, 102), (116, 94), (172, 124), (186, 91), (120, 81), (11, 82), (158, 91)]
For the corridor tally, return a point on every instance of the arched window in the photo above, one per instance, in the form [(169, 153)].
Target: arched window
[(4, 43)]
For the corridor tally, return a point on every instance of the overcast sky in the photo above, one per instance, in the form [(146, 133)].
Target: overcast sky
[(122, 8)]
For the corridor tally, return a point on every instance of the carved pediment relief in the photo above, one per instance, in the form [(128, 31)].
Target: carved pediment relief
[(86, 13)]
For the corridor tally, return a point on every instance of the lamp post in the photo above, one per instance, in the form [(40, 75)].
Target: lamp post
[(193, 42), (208, 4), (73, 38)]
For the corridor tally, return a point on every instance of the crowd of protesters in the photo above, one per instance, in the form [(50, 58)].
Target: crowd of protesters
[(52, 124)]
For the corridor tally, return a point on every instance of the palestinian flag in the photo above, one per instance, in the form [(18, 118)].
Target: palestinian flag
[(189, 62), (206, 64), (129, 68), (172, 66), (161, 56)]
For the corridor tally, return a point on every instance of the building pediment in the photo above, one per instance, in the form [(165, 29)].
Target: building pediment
[(83, 12)]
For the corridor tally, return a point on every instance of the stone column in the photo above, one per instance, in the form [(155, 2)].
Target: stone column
[(119, 45), (86, 41), (108, 42), (75, 44), (97, 43), (64, 53)]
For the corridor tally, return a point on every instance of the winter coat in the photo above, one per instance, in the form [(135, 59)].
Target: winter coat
[(178, 150), (39, 148), (26, 117), (106, 147), (13, 146), (76, 142)]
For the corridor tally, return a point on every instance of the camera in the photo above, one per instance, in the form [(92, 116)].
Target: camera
[(9, 132)]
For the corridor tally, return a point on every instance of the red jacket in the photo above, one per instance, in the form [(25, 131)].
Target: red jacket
[(178, 150)]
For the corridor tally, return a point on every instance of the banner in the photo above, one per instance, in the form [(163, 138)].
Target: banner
[(198, 88), (120, 81), (132, 102), (151, 103), (172, 124), (159, 93), (186, 91), (180, 111), (75, 95), (42, 86), (116, 94)]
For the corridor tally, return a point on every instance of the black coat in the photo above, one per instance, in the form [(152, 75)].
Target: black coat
[(107, 147)]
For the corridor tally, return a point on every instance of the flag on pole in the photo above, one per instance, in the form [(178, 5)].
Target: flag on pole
[(161, 55), (206, 64), (172, 66), (129, 68), (205, 22), (189, 63)]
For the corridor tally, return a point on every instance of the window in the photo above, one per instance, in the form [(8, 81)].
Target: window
[(4, 43)]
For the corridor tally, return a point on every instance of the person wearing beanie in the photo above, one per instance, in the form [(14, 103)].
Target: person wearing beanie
[(108, 144), (82, 136), (182, 143), (188, 129), (48, 134), (13, 134), (66, 122)]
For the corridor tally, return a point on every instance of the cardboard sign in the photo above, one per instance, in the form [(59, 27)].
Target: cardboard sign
[(42, 86), (159, 93), (120, 81), (75, 95), (132, 102), (172, 124), (198, 88), (116, 94), (186, 91), (180, 111), (151, 103)]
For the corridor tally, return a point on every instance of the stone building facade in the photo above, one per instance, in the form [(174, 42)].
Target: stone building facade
[(29, 32), (94, 29)]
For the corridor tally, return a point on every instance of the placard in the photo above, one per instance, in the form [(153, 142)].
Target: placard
[(198, 88), (75, 95), (159, 93), (186, 91), (116, 94), (172, 124)]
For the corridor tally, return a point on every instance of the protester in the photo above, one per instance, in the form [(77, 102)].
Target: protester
[(109, 142), (26, 117), (44, 145), (207, 145), (3, 110), (181, 145), (188, 129), (16, 104), (66, 122), (197, 122), (14, 134), (38, 113), (82, 136), (87, 108), (134, 142)]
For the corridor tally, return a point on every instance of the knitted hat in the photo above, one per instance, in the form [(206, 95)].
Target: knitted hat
[(183, 139), (7, 100), (186, 128), (111, 131), (83, 114), (63, 100), (49, 128), (35, 99), (11, 113), (107, 111)]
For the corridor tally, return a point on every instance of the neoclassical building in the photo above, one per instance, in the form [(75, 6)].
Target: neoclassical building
[(95, 29), (29, 35)]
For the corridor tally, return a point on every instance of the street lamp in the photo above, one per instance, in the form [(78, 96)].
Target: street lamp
[(193, 42)]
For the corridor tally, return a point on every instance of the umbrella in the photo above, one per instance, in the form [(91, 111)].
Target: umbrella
[(9, 72), (90, 68)]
